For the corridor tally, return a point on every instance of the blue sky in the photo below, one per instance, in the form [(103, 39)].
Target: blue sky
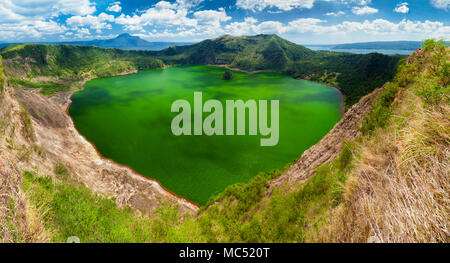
[(301, 21)]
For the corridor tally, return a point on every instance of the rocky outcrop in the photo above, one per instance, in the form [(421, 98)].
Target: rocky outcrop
[(327, 149)]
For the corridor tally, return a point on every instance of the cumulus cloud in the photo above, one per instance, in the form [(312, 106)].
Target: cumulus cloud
[(211, 17), (162, 13), (441, 4), (189, 3), (360, 2), (93, 22), (340, 13), (285, 5), (32, 29), (114, 7), (364, 10), (402, 8), (20, 19), (42, 9), (406, 29), (177, 16)]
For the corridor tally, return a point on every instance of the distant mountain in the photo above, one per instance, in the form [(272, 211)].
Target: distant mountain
[(123, 41), (391, 45), (128, 42)]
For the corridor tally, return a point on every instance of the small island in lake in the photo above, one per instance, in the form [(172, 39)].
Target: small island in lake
[(227, 75)]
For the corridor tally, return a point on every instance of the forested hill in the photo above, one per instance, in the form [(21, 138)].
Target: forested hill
[(354, 74), (55, 68)]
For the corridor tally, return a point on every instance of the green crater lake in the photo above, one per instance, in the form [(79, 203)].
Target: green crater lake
[(128, 119)]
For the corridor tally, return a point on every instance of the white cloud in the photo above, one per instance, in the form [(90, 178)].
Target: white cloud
[(32, 29), (42, 9), (93, 22), (347, 30), (365, 10), (162, 14), (114, 7), (211, 17), (361, 2), (402, 8), (71, 7), (285, 5), (82, 33), (441, 4), (339, 13), (189, 3), (241, 28), (21, 19), (166, 18), (304, 25)]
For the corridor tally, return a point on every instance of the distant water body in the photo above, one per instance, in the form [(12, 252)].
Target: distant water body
[(363, 51)]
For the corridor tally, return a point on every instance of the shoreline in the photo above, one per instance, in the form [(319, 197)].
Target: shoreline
[(240, 70), (343, 110)]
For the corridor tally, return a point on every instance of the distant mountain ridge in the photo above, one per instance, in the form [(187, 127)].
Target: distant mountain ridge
[(392, 45), (123, 41), (127, 42)]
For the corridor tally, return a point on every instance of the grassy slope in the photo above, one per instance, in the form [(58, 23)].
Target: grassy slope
[(63, 66), (2, 81), (391, 184)]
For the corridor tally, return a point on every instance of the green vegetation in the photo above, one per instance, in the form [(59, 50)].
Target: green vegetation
[(395, 192), (68, 209), (65, 66), (27, 126), (381, 111), (227, 75), (431, 84), (46, 88), (434, 84), (2, 79), (61, 170)]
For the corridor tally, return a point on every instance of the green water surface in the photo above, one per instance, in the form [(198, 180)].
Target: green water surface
[(128, 118)]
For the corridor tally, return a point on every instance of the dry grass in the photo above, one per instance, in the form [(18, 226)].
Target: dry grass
[(399, 190)]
